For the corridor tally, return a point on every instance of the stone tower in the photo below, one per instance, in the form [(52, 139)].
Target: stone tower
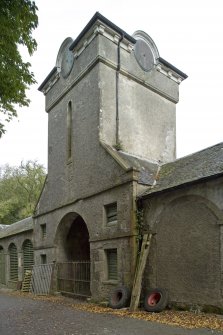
[(136, 89), (111, 102)]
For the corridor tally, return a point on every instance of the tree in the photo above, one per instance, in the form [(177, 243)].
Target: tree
[(20, 188), (18, 20)]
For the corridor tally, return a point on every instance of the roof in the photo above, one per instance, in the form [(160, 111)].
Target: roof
[(17, 227), (189, 169), (167, 64), (53, 71), (147, 169), (99, 17), (103, 19)]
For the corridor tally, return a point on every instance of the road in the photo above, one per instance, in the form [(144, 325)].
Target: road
[(20, 316)]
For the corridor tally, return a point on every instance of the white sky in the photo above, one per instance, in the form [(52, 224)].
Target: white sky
[(188, 34)]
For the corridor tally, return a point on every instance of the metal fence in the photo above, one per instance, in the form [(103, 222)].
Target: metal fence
[(74, 277), (42, 278)]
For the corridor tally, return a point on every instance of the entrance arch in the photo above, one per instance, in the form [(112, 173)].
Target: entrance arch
[(73, 256), (13, 257), (2, 266), (72, 239), (28, 256), (187, 255)]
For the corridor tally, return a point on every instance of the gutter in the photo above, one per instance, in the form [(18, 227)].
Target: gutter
[(117, 89)]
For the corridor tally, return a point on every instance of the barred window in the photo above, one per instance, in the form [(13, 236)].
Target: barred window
[(112, 264)]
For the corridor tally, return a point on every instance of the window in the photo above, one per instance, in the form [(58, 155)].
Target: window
[(69, 131), (13, 256), (43, 259), (43, 230), (111, 213), (112, 262)]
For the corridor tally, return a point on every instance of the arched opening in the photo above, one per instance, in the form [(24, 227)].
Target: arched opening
[(73, 256), (2, 265), (187, 256), (28, 255), (72, 239), (13, 257), (77, 242)]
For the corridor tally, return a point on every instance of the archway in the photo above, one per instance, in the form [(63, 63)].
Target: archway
[(73, 255), (2, 266), (72, 239), (187, 256), (13, 256), (28, 255)]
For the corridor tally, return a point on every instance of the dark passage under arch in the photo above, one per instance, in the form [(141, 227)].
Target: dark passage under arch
[(77, 241)]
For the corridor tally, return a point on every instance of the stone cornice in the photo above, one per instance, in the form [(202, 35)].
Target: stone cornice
[(96, 29)]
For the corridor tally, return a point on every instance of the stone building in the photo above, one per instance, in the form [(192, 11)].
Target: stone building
[(111, 104)]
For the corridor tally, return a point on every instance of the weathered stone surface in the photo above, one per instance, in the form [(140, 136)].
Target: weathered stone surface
[(111, 141)]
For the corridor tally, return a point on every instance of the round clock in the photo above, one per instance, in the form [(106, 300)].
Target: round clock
[(65, 58), (67, 62), (143, 55), (145, 51)]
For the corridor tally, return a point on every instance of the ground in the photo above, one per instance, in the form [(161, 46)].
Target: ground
[(22, 314)]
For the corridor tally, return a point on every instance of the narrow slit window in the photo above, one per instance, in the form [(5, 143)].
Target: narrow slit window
[(69, 130), (43, 230)]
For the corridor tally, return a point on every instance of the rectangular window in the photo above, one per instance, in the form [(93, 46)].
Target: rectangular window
[(69, 131), (112, 264), (111, 213), (43, 230), (43, 259)]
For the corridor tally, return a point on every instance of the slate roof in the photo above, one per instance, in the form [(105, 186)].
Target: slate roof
[(17, 227), (198, 166), (147, 169)]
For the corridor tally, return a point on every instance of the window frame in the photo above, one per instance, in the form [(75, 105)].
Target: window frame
[(43, 231), (111, 268), (111, 213)]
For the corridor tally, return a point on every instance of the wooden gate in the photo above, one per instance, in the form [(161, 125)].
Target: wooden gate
[(2, 266), (74, 278)]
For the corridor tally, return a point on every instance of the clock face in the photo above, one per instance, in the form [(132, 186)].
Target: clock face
[(67, 62), (144, 55)]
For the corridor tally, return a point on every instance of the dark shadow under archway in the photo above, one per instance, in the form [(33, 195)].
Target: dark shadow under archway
[(77, 245), (72, 239), (73, 256)]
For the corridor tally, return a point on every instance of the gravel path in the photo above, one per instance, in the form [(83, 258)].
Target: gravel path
[(22, 315)]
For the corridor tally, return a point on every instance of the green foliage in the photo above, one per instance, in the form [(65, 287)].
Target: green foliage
[(118, 146), (139, 223), (18, 19), (20, 188)]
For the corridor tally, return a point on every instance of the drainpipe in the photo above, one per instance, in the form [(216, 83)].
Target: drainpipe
[(117, 90)]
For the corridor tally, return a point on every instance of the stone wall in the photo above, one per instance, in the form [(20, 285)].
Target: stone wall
[(186, 253)]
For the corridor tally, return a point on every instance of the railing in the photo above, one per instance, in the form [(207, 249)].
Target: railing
[(42, 278), (74, 278)]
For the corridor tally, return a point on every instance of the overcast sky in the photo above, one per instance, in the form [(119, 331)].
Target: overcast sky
[(188, 34)]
